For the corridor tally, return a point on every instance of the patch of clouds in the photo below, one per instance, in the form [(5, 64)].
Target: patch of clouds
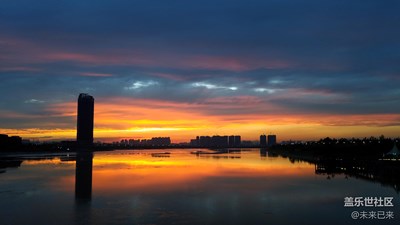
[(265, 90), (276, 81), (141, 84), (34, 101), (213, 86)]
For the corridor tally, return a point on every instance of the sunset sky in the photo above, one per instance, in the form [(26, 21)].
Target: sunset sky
[(301, 69)]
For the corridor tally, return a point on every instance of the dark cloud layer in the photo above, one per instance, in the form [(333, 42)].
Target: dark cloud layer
[(333, 57)]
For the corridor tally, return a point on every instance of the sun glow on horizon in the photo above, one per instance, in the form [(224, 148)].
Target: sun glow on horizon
[(118, 118)]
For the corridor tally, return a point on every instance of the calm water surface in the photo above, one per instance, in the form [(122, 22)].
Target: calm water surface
[(151, 187)]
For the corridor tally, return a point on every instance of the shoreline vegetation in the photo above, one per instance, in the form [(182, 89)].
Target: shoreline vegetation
[(366, 159), (328, 149)]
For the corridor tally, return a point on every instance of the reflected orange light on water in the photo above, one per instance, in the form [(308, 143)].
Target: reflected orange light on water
[(54, 161), (143, 173)]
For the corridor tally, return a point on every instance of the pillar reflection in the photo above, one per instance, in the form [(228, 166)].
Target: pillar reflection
[(263, 152), (83, 175)]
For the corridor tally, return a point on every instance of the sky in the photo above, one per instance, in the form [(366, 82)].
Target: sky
[(300, 69)]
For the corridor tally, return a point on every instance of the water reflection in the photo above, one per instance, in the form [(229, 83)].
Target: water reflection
[(383, 172), (219, 154), (9, 162), (220, 157), (176, 187), (263, 152), (83, 175)]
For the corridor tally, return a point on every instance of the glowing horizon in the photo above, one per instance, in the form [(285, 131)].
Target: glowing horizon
[(117, 118)]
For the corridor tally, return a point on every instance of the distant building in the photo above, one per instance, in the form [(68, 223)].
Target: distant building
[(155, 141), (124, 142), (160, 141), (84, 136), (237, 140), (216, 141), (234, 141), (231, 141), (131, 142), (10, 142), (205, 141), (263, 140), (3, 138), (219, 141), (195, 142), (271, 140)]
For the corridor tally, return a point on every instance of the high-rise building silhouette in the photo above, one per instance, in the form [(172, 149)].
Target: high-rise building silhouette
[(84, 136), (263, 140), (238, 140), (231, 141), (235, 141), (271, 140)]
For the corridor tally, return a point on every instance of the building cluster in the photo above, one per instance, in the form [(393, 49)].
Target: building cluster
[(269, 140), (216, 141), (9, 141), (153, 142)]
